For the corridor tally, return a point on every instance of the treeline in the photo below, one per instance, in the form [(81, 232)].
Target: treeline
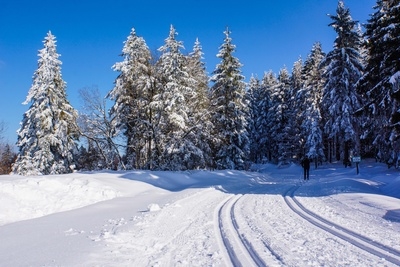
[(169, 114), (7, 155)]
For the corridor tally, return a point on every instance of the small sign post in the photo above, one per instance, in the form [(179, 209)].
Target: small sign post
[(357, 160)]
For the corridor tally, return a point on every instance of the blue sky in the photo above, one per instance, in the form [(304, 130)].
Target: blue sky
[(90, 34)]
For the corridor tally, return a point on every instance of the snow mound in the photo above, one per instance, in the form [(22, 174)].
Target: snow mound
[(153, 207), (31, 197)]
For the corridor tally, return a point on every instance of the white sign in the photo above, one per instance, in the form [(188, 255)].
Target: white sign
[(356, 159)]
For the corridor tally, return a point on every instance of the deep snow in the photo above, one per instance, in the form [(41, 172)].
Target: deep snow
[(269, 217)]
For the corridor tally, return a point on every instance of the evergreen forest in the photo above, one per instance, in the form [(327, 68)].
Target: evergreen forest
[(168, 113)]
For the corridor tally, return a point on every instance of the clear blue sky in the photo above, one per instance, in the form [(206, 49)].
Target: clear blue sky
[(90, 35)]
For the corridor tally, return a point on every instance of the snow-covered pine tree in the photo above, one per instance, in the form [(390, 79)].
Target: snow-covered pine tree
[(314, 143), (230, 142), (383, 45), (199, 104), (179, 149), (46, 138), (295, 107), (197, 71), (254, 99), (312, 73), (279, 118), (296, 78), (310, 100), (394, 138), (133, 92), (268, 84), (343, 70)]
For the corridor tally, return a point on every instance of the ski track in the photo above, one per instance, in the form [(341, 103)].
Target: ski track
[(239, 249), (227, 234), (349, 214), (300, 242), (362, 242), (243, 250), (231, 234)]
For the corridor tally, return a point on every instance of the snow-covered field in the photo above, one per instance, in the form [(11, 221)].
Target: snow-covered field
[(268, 217)]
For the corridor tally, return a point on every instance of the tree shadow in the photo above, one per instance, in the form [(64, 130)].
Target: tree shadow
[(392, 215), (264, 179), (270, 179)]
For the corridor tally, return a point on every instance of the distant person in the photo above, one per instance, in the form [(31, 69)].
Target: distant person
[(305, 163)]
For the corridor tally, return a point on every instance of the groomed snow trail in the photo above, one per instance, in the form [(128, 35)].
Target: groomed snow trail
[(181, 233), (225, 230), (239, 249), (268, 217), (293, 240), (261, 223), (362, 242)]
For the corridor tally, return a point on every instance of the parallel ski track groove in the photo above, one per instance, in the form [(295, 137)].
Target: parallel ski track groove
[(347, 235), (256, 258), (229, 243), (232, 255)]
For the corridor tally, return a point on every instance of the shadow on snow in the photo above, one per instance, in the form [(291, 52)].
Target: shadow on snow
[(328, 179)]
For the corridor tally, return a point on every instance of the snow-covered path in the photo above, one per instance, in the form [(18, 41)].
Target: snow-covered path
[(363, 242), (227, 218)]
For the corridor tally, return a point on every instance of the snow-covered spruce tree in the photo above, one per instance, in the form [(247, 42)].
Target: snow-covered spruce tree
[(343, 70), (296, 109), (178, 145), (279, 118), (310, 99), (254, 99), (48, 130), (230, 142), (268, 84), (199, 104), (395, 120), (133, 92), (383, 45)]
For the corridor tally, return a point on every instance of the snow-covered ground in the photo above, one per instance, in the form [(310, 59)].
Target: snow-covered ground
[(269, 217)]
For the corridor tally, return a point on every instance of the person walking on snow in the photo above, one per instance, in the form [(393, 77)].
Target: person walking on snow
[(305, 163)]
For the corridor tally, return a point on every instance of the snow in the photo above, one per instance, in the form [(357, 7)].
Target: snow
[(267, 217), (394, 78)]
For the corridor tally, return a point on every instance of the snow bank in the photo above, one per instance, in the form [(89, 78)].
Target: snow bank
[(156, 218), (24, 198)]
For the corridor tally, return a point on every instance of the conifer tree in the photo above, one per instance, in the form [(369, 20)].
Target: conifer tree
[(197, 71), (343, 70), (279, 119), (46, 138), (230, 142), (296, 79), (310, 99), (7, 158), (178, 148), (296, 108), (268, 84), (133, 92), (199, 104), (254, 100), (383, 45)]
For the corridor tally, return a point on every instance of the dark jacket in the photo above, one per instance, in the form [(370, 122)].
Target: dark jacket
[(305, 163)]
